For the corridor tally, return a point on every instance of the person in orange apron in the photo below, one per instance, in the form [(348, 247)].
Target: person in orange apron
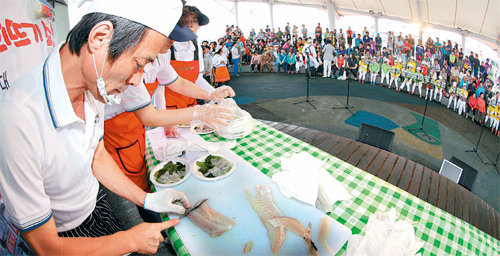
[(221, 72), (124, 132), (185, 59)]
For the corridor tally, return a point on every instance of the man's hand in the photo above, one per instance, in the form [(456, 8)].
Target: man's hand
[(221, 93), (164, 201), (147, 236), (212, 115)]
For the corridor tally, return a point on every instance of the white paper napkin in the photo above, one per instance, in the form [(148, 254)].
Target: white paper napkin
[(304, 179), (299, 178), (385, 236)]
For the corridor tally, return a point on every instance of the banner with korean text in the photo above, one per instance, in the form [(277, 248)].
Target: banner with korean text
[(27, 36)]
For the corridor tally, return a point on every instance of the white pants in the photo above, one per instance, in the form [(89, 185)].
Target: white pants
[(494, 123), (327, 65), (487, 116), (419, 88), (384, 77), (461, 106), (373, 77), (394, 79), (440, 92), (406, 83), (453, 98), (429, 93), (362, 76), (298, 65)]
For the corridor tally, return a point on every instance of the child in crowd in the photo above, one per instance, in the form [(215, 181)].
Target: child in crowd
[(363, 68), (374, 68), (255, 62), (385, 69), (395, 73)]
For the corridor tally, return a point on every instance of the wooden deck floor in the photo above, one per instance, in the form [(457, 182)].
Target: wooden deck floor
[(412, 177)]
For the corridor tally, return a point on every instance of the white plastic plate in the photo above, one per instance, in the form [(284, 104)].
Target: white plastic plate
[(158, 167)]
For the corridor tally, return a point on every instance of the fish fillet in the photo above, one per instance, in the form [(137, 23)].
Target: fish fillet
[(248, 247), (212, 222), (324, 233), (265, 207), (294, 226)]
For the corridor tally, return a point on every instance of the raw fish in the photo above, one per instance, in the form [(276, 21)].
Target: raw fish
[(212, 222), (324, 233), (265, 207), (248, 246), (294, 226)]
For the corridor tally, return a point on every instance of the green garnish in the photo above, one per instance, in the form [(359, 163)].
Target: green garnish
[(206, 166), (172, 168)]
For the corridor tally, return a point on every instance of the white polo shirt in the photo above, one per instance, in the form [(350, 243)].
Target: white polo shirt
[(137, 97), (46, 150)]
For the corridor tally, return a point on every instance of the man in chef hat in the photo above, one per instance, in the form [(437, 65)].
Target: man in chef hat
[(52, 157)]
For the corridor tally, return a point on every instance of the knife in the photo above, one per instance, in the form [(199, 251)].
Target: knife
[(198, 204)]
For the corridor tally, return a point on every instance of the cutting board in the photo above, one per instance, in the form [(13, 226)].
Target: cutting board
[(227, 196)]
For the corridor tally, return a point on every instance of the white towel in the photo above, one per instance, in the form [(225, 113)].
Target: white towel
[(303, 178), (385, 236)]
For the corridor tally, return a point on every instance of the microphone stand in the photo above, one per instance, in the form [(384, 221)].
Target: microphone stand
[(308, 74), (347, 106), (421, 128), (495, 163), (474, 150)]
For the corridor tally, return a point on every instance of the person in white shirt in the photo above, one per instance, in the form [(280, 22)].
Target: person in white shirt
[(235, 52), (310, 57), (220, 62), (124, 126), (328, 51), (187, 60), (52, 158)]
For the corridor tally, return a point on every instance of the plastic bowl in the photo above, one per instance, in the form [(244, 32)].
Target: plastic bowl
[(158, 167), (199, 175)]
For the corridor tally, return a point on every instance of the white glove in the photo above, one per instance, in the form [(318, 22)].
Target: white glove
[(221, 93), (212, 115), (163, 201)]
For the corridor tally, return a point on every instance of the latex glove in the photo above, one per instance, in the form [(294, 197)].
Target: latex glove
[(171, 131), (221, 93), (212, 115), (164, 201)]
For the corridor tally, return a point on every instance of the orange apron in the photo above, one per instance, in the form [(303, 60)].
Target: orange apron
[(124, 139), (221, 74), (188, 70)]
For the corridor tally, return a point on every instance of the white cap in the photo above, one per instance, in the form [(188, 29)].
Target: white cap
[(160, 15)]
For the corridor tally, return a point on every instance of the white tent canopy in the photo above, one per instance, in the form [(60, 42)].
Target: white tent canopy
[(475, 18)]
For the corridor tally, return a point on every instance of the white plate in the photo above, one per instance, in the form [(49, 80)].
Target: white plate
[(201, 132), (184, 125), (158, 167), (199, 175)]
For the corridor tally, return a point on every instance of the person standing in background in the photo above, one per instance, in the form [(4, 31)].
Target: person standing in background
[(235, 53), (328, 51), (303, 31)]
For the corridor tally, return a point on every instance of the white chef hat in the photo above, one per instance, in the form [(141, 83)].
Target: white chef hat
[(160, 15)]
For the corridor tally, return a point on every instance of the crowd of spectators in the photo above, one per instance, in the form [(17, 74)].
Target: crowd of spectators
[(437, 68)]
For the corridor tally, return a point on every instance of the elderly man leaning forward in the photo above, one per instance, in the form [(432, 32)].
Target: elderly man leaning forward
[(52, 156)]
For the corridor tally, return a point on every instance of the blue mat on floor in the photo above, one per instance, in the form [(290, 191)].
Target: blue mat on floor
[(370, 118), (243, 100)]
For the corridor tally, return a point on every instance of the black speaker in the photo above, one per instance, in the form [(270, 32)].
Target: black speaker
[(469, 174), (376, 136)]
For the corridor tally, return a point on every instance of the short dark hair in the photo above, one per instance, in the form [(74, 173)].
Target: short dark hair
[(126, 34)]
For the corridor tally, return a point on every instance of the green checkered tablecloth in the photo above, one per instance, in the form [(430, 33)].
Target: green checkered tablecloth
[(442, 233)]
